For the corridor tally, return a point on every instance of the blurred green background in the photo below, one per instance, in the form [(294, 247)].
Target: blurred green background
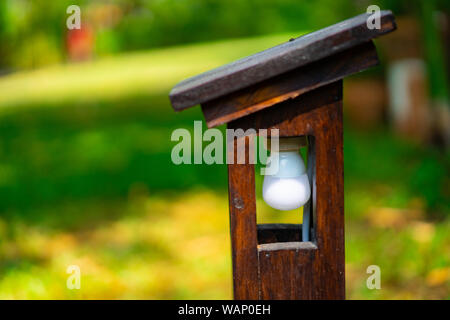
[(85, 171)]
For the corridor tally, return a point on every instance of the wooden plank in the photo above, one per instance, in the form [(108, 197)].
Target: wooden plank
[(309, 210), (242, 203), (289, 85), (294, 117), (277, 60), (287, 270)]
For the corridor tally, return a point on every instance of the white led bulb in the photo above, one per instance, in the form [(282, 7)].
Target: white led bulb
[(289, 187)]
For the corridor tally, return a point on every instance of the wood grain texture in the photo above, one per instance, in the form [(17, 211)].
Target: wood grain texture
[(289, 272), (302, 270), (277, 60), (289, 85), (242, 203)]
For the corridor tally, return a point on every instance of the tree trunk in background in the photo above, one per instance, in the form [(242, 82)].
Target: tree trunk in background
[(410, 110), (436, 68)]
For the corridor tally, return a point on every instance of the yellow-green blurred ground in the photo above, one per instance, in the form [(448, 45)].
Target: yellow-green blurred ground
[(86, 179), (177, 247)]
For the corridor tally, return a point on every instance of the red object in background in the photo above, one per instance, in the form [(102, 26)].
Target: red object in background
[(80, 43)]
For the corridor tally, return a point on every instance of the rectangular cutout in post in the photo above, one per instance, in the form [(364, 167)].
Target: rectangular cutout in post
[(287, 226)]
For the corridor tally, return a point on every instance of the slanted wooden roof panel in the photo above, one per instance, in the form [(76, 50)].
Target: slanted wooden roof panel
[(277, 60)]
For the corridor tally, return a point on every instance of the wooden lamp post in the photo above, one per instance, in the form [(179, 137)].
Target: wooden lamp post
[(295, 87)]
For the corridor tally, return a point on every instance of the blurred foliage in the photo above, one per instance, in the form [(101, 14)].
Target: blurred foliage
[(421, 172), (125, 75), (32, 32), (436, 64), (138, 24), (86, 176), (117, 137), (176, 246), (86, 179)]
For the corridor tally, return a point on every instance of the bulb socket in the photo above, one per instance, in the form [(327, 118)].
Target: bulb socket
[(287, 144)]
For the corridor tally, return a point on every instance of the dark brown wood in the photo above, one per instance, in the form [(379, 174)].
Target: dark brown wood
[(279, 232), (242, 202), (300, 270), (277, 60), (289, 85), (288, 271)]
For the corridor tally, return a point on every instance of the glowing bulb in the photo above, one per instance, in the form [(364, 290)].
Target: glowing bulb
[(289, 188)]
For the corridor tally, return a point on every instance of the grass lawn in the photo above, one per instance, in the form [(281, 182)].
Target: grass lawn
[(86, 179)]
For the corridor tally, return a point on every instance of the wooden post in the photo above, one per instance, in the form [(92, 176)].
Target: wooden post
[(291, 269), (296, 88)]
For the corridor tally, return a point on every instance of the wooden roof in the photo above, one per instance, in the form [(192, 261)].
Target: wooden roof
[(278, 60)]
